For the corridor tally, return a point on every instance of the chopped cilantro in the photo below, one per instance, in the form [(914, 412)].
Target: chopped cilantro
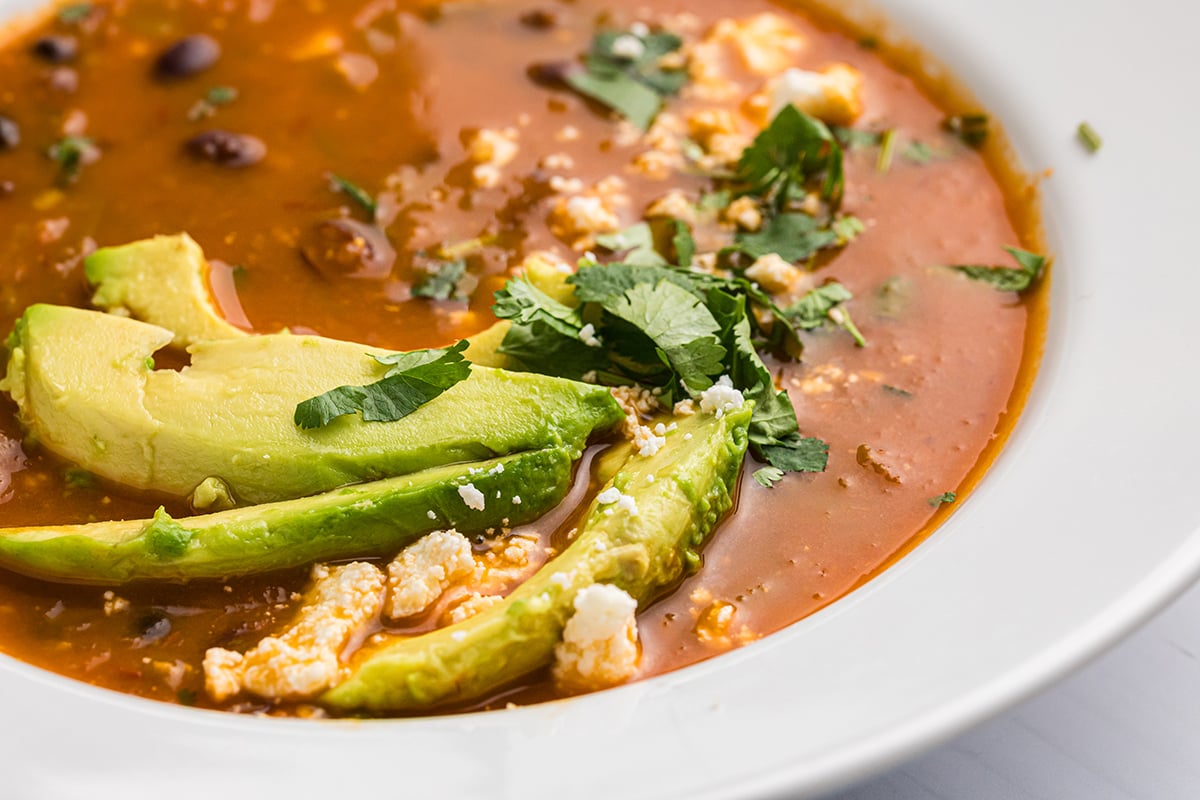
[(799, 454), (1029, 269), (768, 476), (855, 138), (442, 282), (944, 497), (71, 153), (972, 129), (823, 304), (664, 327), (918, 153), (715, 201), (793, 237), (78, 478), (412, 380), (683, 243), (623, 72), (354, 192), (74, 13), (1088, 137), (791, 152), (216, 97), (635, 244), (847, 228), (896, 390)]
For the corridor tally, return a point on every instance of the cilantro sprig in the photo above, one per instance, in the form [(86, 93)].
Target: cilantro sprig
[(444, 280), (664, 327), (412, 380), (355, 192), (1006, 279), (623, 71), (792, 152)]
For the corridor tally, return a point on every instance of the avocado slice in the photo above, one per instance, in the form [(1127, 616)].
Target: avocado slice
[(693, 480), (162, 281), (368, 519), (85, 386)]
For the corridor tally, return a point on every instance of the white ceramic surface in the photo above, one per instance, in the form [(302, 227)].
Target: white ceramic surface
[(1087, 523)]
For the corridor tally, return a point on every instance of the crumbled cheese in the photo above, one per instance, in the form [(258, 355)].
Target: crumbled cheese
[(647, 442), (628, 504), (423, 570), (685, 408), (587, 335), (560, 161), (516, 501), (672, 205), (568, 133), (833, 95), (472, 497), (610, 495), (578, 218), (766, 44), (114, 604), (474, 604), (773, 273), (630, 47), (719, 134), (491, 150), (600, 640), (661, 429), (507, 563), (303, 660), (639, 29), (563, 185), (431, 514), (721, 398), (744, 213)]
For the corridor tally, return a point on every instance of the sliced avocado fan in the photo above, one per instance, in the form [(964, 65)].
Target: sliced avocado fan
[(641, 545), (374, 518), (85, 385)]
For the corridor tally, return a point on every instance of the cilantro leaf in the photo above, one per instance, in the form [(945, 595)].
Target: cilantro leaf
[(354, 192), (412, 380), (72, 153), (768, 476), (682, 329), (793, 237), (918, 152), (792, 151), (524, 303), (812, 310), (944, 497), (683, 243), (799, 454), (635, 243), (856, 138), (442, 283), (623, 72), (537, 347), (1029, 269)]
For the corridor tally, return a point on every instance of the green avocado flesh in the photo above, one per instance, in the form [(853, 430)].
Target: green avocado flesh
[(375, 518), (691, 489), (163, 281), (85, 387)]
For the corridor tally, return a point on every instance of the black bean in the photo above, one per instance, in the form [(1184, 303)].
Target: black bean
[(227, 149), (10, 134), (551, 73), (189, 55), (539, 19), (348, 248), (56, 49)]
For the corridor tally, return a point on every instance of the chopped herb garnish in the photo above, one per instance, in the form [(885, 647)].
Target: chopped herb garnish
[(186, 697), (71, 153), (893, 296), (855, 138), (412, 380), (887, 148), (354, 192), (217, 96), (623, 72), (78, 478), (918, 153), (715, 201), (792, 151), (944, 497), (847, 229), (667, 328), (768, 476), (1088, 137), (896, 390), (793, 237), (1029, 269), (824, 304), (683, 243), (635, 245), (442, 282), (972, 129), (74, 13)]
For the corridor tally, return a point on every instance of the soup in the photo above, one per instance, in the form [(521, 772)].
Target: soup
[(376, 172)]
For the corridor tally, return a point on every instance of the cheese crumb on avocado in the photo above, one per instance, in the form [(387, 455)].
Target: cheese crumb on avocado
[(600, 640), (423, 570)]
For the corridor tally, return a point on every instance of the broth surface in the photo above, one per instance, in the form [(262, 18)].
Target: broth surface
[(388, 94)]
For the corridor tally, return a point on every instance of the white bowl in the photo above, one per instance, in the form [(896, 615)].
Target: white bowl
[(1087, 523)]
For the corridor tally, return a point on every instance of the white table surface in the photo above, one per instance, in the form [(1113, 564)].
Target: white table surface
[(1125, 727)]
